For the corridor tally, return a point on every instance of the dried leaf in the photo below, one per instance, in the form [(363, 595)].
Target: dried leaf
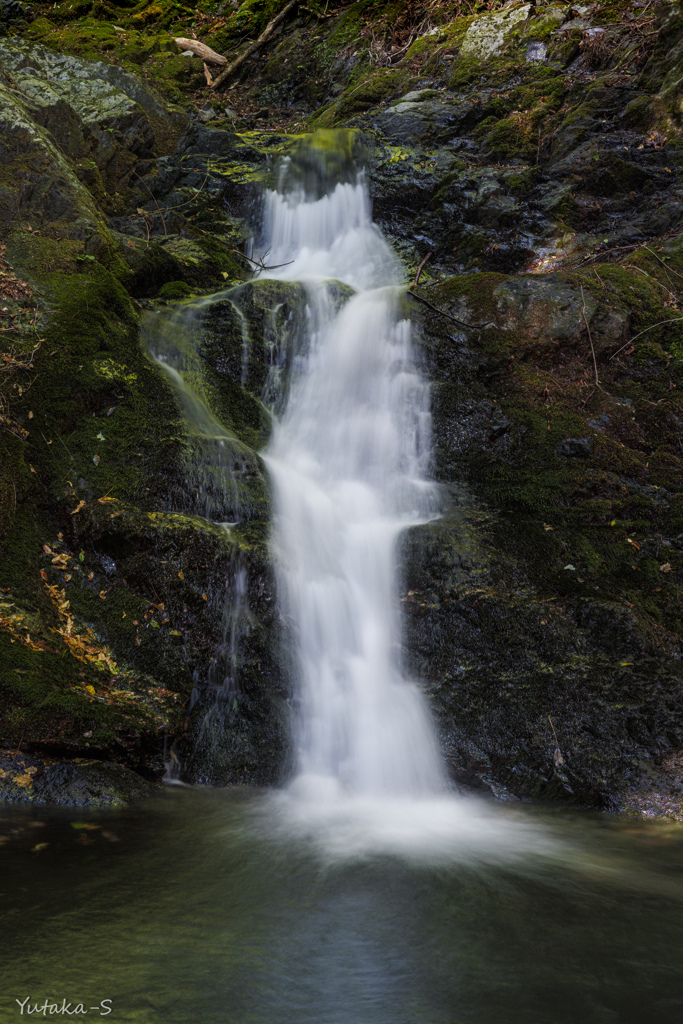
[(665, 568), (102, 595), (78, 509), (181, 575)]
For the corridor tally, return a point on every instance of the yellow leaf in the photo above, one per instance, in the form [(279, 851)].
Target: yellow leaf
[(103, 594), (205, 597), (181, 575), (90, 690), (665, 568), (78, 507), (38, 847)]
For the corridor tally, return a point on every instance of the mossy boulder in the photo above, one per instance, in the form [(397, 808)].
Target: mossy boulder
[(96, 784)]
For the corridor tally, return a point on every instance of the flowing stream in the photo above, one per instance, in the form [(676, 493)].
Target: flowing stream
[(349, 461)]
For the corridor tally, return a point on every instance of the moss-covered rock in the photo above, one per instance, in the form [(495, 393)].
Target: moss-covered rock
[(85, 783)]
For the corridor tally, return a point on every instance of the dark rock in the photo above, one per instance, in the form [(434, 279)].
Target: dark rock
[(575, 448)]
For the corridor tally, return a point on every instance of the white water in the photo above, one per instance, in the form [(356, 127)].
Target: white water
[(348, 460)]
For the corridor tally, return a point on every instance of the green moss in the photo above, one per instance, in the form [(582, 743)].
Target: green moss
[(174, 290)]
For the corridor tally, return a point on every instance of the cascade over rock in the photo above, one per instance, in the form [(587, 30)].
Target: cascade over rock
[(540, 610)]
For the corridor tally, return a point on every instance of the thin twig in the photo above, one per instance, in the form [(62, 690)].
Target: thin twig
[(585, 318), (662, 262), (143, 182), (260, 263), (419, 269), (673, 295), (460, 323), (650, 328)]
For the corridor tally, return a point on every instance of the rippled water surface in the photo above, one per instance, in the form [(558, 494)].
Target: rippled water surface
[(249, 908)]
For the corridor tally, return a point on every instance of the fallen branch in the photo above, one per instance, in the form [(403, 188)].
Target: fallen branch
[(460, 323), (266, 34), (208, 55)]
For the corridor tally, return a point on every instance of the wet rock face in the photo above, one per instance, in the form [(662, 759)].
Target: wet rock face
[(539, 611)]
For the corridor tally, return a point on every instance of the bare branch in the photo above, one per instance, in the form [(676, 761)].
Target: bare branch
[(267, 32)]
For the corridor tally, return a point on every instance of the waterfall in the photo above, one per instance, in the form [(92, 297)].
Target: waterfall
[(348, 460)]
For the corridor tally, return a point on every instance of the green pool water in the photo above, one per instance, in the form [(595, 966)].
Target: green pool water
[(229, 906)]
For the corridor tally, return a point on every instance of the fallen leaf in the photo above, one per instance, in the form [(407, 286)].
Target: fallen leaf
[(78, 509), (101, 437), (102, 595), (90, 689), (573, 569), (181, 575), (39, 846), (30, 415), (205, 597), (96, 460), (665, 568), (636, 546), (85, 825)]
